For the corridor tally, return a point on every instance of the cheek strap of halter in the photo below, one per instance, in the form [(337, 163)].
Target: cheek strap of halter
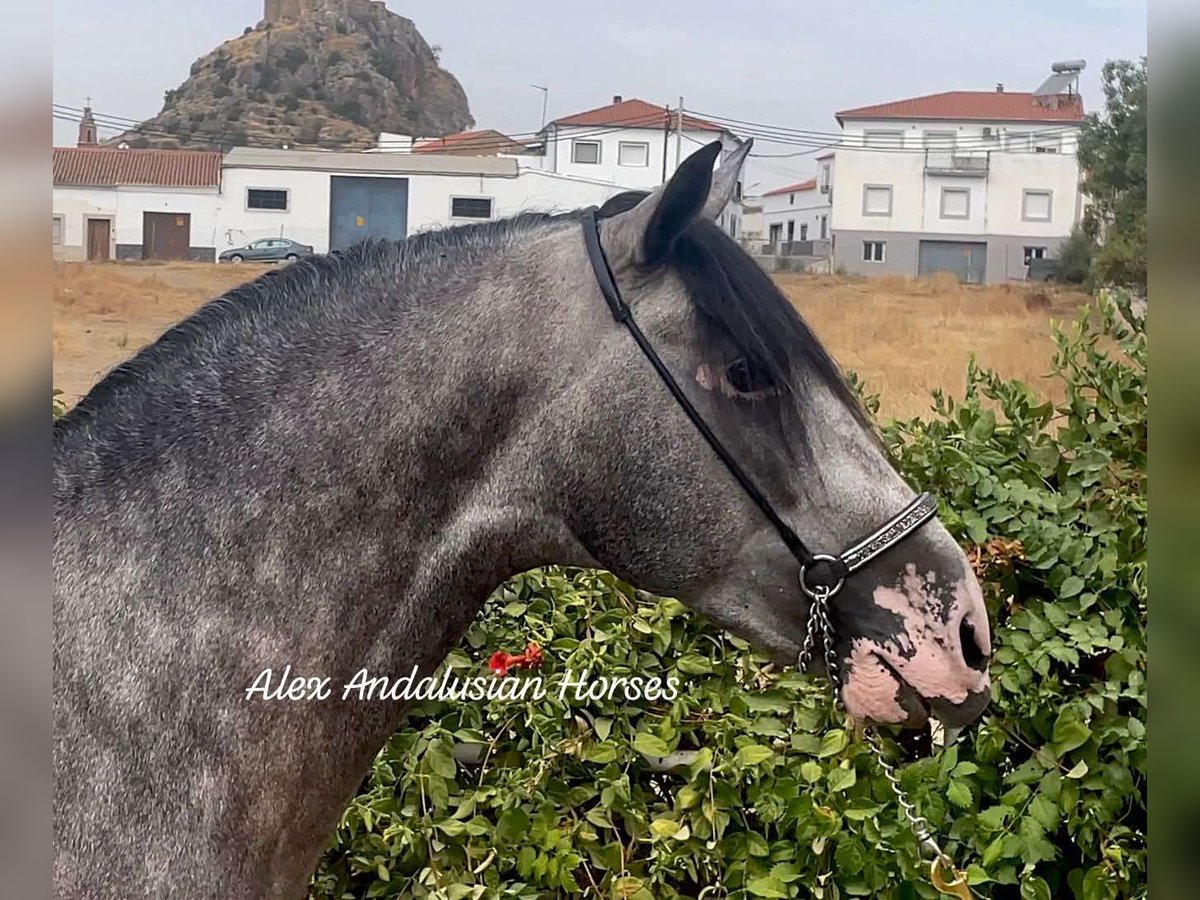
[(818, 572)]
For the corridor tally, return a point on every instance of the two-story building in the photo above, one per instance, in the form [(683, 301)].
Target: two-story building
[(971, 182), (632, 144), (796, 212)]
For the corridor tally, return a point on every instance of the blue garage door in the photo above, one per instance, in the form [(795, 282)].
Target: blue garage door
[(361, 208)]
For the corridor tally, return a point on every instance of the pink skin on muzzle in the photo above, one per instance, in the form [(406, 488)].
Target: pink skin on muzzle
[(926, 652)]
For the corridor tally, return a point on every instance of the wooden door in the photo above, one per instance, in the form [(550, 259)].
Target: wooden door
[(99, 232), (166, 235)]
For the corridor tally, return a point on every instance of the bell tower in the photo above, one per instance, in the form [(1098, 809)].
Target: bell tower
[(87, 127)]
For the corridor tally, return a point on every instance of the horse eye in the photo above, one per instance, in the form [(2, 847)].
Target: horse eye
[(747, 377)]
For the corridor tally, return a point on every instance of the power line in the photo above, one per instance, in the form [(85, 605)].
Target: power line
[(816, 140), (251, 137)]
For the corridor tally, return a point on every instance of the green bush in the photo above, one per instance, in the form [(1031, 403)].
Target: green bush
[(1046, 797), (1075, 257)]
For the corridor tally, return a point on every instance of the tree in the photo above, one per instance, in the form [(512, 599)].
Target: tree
[(1112, 153)]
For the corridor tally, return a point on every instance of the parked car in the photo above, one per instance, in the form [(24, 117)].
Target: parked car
[(1045, 269), (266, 250)]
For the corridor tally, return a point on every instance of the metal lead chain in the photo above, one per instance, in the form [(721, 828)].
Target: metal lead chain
[(820, 629)]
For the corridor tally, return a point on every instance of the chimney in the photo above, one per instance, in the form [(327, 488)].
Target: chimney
[(999, 87), (87, 129), (616, 99)]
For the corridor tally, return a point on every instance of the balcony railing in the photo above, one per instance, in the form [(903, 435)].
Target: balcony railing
[(947, 162)]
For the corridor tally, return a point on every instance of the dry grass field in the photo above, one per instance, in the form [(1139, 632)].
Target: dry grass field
[(903, 337)]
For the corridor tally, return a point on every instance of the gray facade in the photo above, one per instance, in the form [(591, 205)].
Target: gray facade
[(1004, 256), (126, 252)]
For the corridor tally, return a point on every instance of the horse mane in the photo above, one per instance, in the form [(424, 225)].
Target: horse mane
[(734, 298)]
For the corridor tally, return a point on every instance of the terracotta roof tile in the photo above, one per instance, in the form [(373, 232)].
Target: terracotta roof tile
[(110, 166), (796, 188), (986, 106), (633, 113), (483, 142)]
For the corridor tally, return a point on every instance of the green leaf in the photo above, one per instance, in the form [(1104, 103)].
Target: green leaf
[(512, 826), (440, 760), (1078, 770), (959, 794), (1069, 732), (1071, 586), (834, 742), (693, 664), (767, 886), (663, 828), (650, 745), (842, 778), (752, 755)]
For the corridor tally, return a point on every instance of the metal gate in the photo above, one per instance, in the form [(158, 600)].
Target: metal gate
[(967, 261), (361, 208)]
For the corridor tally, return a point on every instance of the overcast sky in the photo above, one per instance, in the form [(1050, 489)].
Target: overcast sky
[(780, 62)]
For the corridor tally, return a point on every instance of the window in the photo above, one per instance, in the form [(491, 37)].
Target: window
[(877, 200), (791, 231), (470, 207), (775, 232), (791, 199), (824, 227), (266, 198), (1035, 206), (874, 251), (56, 228), (733, 226), (956, 203), (1034, 253), (804, 231), (825, 177), (883, 138), (630, 153), (1043, 143), (586, 152)]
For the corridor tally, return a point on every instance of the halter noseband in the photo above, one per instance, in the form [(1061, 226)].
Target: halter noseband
[(821, 575)]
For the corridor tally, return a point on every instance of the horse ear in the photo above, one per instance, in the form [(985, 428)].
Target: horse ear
[(724, 182), (644, 234)]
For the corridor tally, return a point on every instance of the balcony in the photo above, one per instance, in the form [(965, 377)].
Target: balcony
[(947, 162)]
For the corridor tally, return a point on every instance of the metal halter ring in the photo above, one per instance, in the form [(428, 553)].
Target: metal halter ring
[(821, 591)]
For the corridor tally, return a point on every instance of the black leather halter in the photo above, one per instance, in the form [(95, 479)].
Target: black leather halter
[(821, 575)]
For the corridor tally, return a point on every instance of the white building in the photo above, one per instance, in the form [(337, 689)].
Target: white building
[(112, 203), (971, 182), (797, 213), (333, 200), (634, 145), (133, 204)]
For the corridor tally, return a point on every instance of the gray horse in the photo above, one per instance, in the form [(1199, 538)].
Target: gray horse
[(333, 466)]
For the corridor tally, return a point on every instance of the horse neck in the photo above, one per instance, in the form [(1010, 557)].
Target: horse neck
[(359, 523)]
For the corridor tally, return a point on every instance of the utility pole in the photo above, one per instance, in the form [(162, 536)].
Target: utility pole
[(545, 96), (666, 135), (679, 135)]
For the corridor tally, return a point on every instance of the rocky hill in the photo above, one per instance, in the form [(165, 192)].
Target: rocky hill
[(312, 73)]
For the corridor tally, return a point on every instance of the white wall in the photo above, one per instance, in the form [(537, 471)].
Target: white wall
[(801, 207), (125, 206), (307, 218), (558, 156), (995, 197)]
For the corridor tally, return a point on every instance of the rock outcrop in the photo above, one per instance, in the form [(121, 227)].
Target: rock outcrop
[(314, 73)]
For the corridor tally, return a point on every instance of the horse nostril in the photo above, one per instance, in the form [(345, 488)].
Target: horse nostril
[(972, 655)]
